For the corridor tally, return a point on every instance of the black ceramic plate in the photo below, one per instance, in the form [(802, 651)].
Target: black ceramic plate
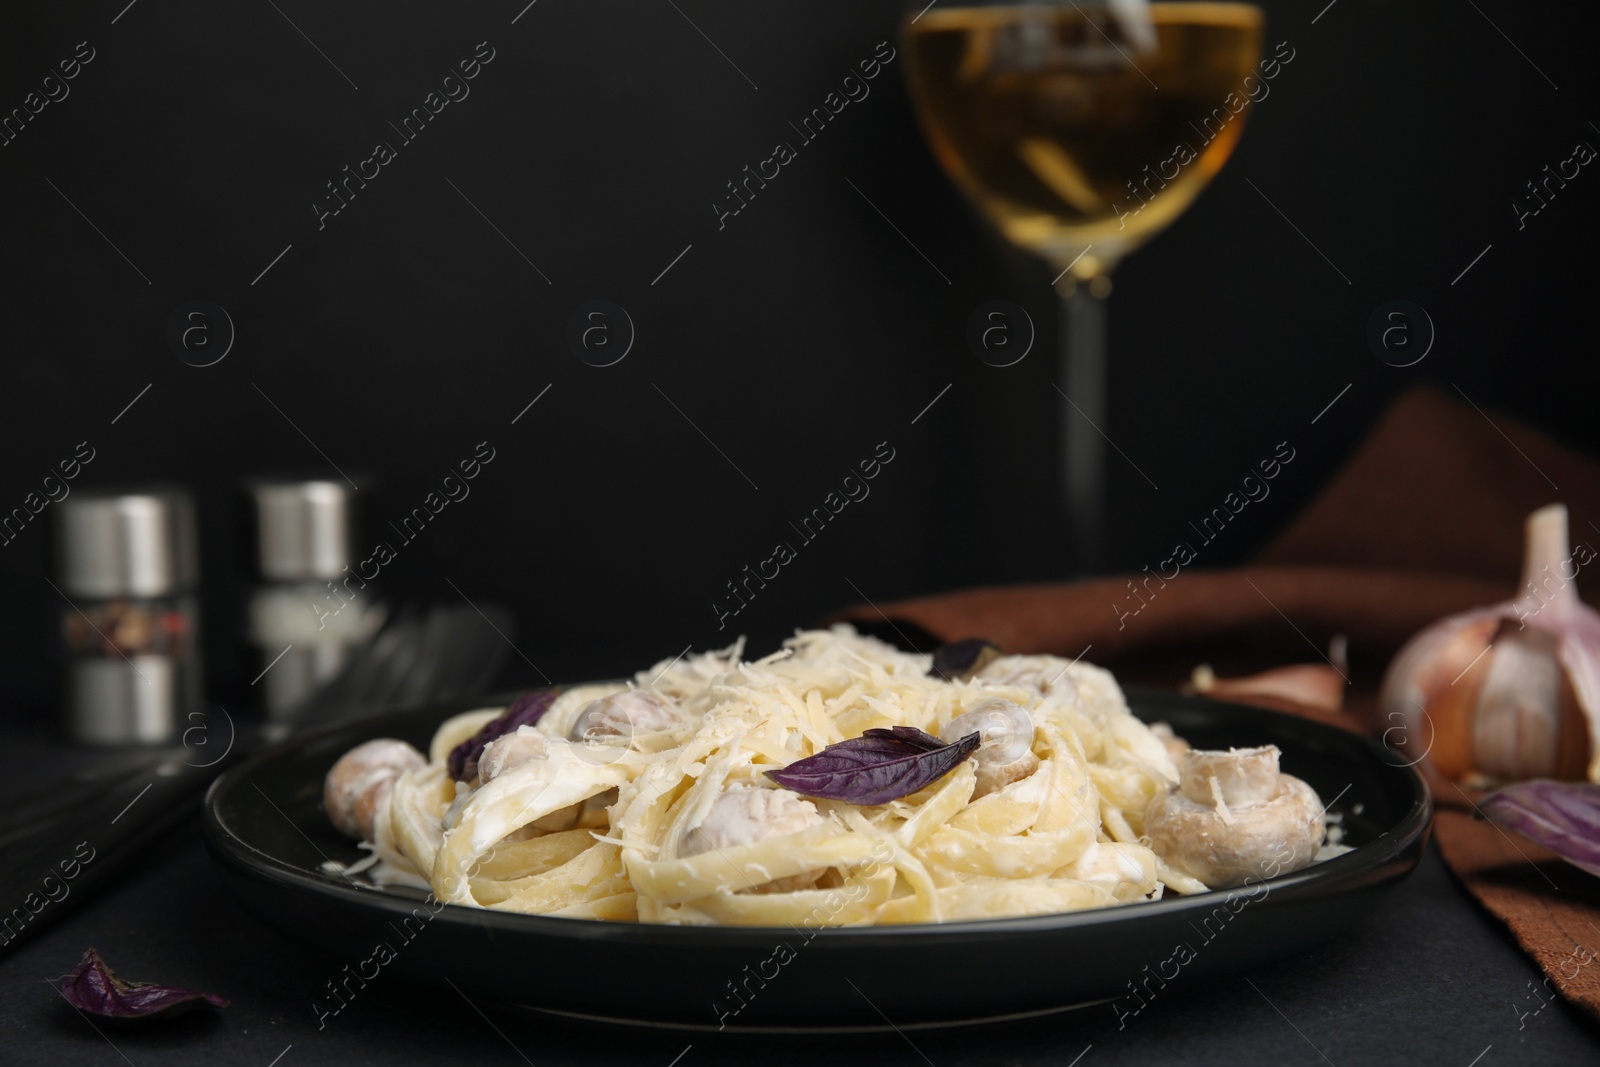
[(265, 824)]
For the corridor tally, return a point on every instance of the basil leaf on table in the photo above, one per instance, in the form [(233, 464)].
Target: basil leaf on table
[(1564, 817), (877, 767), (93, 987)]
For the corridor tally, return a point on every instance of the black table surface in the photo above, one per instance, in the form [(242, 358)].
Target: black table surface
[(1427, 978)]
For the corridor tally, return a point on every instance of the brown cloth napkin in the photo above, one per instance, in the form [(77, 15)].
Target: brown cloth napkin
[(1424, 521)]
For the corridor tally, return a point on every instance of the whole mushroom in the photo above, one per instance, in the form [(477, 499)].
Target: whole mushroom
[(746, 814), (1005, 745), (1234, 816), (359, 784)]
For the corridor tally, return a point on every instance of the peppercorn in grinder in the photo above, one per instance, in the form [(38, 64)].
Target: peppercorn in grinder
[(128, 568)]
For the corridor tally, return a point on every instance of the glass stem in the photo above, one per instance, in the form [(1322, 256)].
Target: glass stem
[(1083, 416)]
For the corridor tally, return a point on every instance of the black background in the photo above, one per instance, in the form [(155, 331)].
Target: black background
[(796, 339)]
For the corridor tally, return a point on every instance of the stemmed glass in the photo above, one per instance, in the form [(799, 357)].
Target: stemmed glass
[(1081, 129)]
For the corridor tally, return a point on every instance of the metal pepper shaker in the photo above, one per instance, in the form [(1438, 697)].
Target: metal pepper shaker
[(309, 607), (128, 565)]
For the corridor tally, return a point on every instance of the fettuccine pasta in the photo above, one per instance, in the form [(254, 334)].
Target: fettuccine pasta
[(673, 818)]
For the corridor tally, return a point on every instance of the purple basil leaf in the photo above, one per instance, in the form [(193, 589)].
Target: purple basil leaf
[(1564, 817), (876, 746), (877, 767), (92, 987), (526, 710), (908, 734), (896, 740)]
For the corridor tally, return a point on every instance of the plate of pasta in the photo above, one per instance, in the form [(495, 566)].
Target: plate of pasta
[(834, 835)]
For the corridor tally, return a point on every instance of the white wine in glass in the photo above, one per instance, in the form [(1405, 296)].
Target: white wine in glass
[(1081, 129)]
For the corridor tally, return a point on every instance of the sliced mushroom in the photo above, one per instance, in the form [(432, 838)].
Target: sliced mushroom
[(618, 718), (746, 814), (1005, 748), (1051, 676), (1234, 816), (522, 745), (515, 749), (361, 781), (605, 729)]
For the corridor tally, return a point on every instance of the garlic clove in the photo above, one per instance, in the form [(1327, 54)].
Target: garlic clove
[(1315, 685), (1552, 606), (1516, 721), (1580, 655), (1431, 690)]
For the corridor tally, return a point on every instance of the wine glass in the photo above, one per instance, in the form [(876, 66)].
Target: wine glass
[(1081, 129)]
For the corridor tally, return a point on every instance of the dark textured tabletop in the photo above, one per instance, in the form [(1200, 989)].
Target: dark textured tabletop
[(1428, 978)]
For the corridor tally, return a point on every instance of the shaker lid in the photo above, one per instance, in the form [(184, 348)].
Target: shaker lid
[(303, 528), (122, 543)]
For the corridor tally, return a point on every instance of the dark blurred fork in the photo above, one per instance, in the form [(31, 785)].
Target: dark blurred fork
[(109, 811)]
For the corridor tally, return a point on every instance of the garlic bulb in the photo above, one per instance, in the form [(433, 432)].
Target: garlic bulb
[(1512, 690)]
